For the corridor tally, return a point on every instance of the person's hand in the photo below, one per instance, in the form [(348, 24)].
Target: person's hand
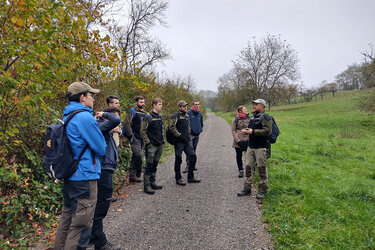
[(98, 114), (247, 131), (117, 130)]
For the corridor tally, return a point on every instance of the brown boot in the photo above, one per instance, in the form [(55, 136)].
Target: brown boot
[(194, 180)]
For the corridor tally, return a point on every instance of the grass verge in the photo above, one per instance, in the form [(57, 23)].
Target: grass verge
[(321, 175)]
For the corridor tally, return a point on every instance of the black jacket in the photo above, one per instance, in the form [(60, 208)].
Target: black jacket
[(261, 130), (152, 129), (110, 159)]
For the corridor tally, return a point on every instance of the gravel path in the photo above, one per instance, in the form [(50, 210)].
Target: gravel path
[(207, 215)]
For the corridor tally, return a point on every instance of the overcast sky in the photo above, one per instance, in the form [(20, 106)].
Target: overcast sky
[(204, 36)]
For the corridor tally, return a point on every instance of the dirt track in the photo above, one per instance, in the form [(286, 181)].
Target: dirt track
[(208, 215)]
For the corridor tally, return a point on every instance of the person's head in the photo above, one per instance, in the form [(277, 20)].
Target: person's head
[(242, 109), (196, 105), (140, 101), (114, 110), (259, 105), (182, 106), (113, 101), (83, 93), (157, 105)]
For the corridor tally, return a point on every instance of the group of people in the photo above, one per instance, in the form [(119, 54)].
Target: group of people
[(250, 135), (95, 140)]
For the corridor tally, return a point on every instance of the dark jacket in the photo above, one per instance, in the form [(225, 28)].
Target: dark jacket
[(196, 121), (132, 123), (180, 126), (262, 128), (110, 159), (152, 129)]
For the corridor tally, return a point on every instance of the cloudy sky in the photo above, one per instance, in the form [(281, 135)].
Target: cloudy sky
[(204, 36)]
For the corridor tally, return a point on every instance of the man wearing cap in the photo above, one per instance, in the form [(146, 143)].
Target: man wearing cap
[(259, 129), (80, 190), (180, 127)]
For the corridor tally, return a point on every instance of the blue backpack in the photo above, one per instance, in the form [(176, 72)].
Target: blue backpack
[(58, 158)]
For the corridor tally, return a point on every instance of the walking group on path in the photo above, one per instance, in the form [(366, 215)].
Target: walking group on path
[(95, 140)]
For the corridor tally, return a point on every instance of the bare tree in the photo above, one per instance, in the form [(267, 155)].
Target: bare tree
[(268, 64), (139, 49)]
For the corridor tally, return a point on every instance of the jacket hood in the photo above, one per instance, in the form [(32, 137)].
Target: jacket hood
[(74, 106), (194, 111)]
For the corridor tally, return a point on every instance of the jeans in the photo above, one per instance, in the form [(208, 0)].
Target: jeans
[(136, 161)]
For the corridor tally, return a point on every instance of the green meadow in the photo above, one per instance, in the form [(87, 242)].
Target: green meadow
[(322, 175)]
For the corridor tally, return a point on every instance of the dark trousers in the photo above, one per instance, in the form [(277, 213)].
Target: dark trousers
[(180, 147), (74, 230), (136, 161), (105, 189), (239, 158), (194, 140)]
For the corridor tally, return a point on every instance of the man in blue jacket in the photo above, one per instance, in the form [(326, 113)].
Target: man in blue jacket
[(80, 190), (196, 127), (107, 121)]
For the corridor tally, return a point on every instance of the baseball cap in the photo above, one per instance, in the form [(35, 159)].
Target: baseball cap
[(182, 103), (260, 101), (79, 87)]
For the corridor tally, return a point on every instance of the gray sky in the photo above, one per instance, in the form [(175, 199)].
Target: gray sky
[(204, 36)]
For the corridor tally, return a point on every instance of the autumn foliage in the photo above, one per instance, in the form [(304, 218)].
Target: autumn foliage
[(46, 45)]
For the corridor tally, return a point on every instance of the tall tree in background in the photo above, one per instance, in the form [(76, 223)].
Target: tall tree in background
[(139, 49)]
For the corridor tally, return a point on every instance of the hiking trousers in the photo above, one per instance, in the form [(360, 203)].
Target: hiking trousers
[(105, 189), (135, 169), (74, 230), (256, 156), (186, 147)]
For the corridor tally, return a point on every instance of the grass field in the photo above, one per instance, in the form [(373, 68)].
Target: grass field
[(322, 175)]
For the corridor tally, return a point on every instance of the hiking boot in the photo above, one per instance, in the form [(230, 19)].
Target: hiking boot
[(244, 192), (108, 246), (185, 170), (240, 174), (155, 186), (146, 185), (194, 180), (152, 182), (135, 179), (260, 195), (148, 190), (180, 182)]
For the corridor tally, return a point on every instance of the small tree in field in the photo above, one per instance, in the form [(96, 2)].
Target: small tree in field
[(268, 64)]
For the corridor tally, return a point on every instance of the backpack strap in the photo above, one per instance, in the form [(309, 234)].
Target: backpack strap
[(87, 145)]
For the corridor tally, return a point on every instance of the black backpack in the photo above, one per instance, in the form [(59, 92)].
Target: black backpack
[(275, 130), (171, 139), (58, 159)]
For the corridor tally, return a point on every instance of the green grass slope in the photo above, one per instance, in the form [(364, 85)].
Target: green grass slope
[(322, 175)]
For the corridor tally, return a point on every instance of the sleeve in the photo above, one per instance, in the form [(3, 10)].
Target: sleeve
[(91, 133), (172, 126), (234, 131), (266, 127), (202, 121), (144, 126), (127, 123), (112, 122)]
